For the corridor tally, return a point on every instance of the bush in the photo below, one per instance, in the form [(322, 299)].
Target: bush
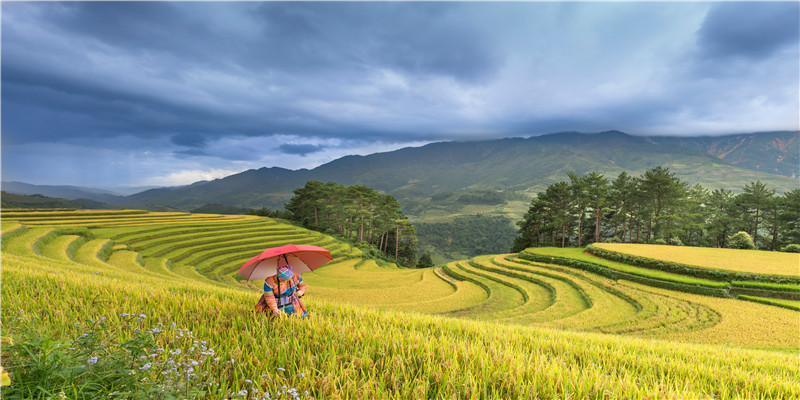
[(425, 261), (659, 241), (675, 241), (791, 248), (741, 240), (612, 239)]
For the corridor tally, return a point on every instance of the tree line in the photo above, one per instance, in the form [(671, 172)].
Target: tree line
[(358, 213), (657, 207)]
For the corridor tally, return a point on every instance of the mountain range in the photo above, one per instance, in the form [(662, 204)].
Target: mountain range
[(522, 165)]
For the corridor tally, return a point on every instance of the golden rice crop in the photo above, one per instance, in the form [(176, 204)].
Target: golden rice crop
[(349, 352), (752, 261)]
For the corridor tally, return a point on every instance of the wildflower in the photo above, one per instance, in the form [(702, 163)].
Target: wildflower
[(145, 367), (281, 369), (193, 362), (248, 381), (142, 316), (242, 393), (92, 360)]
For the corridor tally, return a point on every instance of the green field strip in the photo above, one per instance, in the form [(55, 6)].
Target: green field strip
[(176, 245), (120, 222), (159, 266), (344, 275), (94, 217), (788, 304), (674, 314), (27, 239), (654, 311), (578, 254), (502, 300), (218, 233), (644, 306), (608, 306), (162, 246), (128, 260), (59, 214), (148, 232), (550, 297), (92, 252), (425, 295), (197, 256), (9, 226), (705, 262), (766, 289), (61, 247)]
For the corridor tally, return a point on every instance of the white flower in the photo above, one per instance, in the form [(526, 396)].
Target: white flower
[(145, 367), (281, 369), (248, 381), (92, 360), (242, 393), (142, 316)]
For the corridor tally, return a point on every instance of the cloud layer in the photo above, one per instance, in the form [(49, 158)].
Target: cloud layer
[(175, 87)]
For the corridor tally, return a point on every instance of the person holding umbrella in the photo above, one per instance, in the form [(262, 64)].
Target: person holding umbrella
[(282, 293), (280, 267)]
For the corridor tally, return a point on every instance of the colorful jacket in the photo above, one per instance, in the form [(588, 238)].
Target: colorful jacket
[(290, 293)]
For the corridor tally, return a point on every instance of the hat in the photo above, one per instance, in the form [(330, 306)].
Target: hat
[(285, 272)]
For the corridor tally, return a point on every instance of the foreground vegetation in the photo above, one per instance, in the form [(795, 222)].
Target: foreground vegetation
[(152, 281)]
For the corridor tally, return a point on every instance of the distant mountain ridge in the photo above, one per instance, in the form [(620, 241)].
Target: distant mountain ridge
[(772, 152), (511, 164)]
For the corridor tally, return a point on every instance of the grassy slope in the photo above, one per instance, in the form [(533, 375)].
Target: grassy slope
[(353, 352)]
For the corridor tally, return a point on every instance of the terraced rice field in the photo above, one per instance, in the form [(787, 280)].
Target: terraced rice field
[(751, 261), (496, 326)]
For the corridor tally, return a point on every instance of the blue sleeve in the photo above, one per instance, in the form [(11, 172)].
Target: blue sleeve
[(267, 288)]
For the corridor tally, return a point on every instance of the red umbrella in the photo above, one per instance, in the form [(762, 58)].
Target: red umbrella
[(302, 258)]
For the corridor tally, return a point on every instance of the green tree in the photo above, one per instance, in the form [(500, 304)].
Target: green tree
[(722, 216), (755, 198), (665, 191), (620, 198), (557, 206), (790, 217), (425, 261), (580, 201), (597, 191)]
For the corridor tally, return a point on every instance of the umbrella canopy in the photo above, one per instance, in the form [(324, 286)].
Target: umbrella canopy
[(302, 258)]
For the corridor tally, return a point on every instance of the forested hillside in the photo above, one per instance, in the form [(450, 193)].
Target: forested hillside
[(657, 207)]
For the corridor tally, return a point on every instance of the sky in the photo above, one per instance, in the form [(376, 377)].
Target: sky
[(127, 94)]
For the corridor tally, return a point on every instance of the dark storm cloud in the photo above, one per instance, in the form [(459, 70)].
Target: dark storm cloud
[(749, 30), (300, 149), (189, 140), (209, 82), (313, 51)]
